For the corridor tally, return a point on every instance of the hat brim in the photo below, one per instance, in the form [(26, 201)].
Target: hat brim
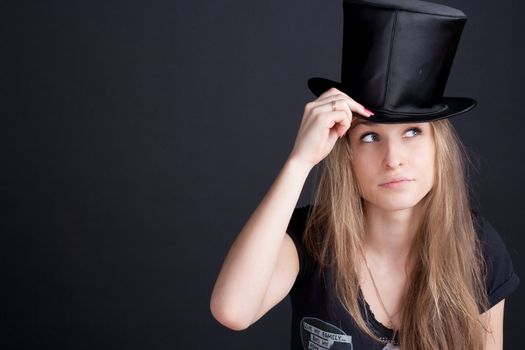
[(454, 105)]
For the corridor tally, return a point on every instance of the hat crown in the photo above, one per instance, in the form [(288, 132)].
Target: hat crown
[(397, 55)]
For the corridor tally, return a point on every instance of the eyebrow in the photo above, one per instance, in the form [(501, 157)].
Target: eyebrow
[(361, 121)]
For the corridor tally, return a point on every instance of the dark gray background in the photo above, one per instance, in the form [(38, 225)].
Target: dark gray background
[(138, 136)]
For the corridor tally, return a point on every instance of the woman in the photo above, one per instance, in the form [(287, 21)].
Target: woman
[(390, 253)]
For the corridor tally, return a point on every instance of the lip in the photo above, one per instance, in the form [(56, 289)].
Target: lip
[(396, 182)]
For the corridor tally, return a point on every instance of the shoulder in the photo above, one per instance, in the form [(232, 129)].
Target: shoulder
[(297, 222), (501, 279), (491, 241)]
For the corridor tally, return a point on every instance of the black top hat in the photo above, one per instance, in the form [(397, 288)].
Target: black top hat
[(397, 56)]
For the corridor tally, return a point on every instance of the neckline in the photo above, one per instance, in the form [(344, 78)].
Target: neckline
[(383, 330)]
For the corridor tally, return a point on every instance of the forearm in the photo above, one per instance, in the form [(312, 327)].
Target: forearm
[(248, 267)]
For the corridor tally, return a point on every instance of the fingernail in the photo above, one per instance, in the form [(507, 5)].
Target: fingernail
[(369, 112)]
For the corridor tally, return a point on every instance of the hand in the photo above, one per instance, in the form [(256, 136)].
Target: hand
[(321, 126)]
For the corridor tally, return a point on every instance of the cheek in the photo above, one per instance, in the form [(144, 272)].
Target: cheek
[(363, 170), (426, 167)]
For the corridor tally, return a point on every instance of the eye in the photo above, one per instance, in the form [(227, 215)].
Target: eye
[(369, 137), (413, 132)]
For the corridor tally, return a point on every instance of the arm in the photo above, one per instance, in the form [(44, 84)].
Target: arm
[(262, 264), (248, 269), (493, 319)]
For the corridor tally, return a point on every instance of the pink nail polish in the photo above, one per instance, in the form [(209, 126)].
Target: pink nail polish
[(369, 112)]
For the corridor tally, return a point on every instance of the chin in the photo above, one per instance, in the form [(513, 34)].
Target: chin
[(395, 202)]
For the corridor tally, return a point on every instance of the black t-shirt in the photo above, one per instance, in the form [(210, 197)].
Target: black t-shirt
[(319, 321)]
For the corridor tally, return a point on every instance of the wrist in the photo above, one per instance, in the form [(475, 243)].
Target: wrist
[(298, 165)]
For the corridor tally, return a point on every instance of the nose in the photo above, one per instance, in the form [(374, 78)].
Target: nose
[(392, 155)]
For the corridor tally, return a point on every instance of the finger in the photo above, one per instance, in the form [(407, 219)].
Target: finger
[(338, 120), (359, 108), (331, 91), (347, 96), (342, 105), (354, 106), (328, 104)]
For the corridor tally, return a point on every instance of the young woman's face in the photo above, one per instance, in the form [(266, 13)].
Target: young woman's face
[(393, 163)]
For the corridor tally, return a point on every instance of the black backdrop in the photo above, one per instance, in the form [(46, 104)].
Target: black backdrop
[(138, 136)]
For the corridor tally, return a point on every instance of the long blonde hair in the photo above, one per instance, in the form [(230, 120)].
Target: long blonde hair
[(446, 289)]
